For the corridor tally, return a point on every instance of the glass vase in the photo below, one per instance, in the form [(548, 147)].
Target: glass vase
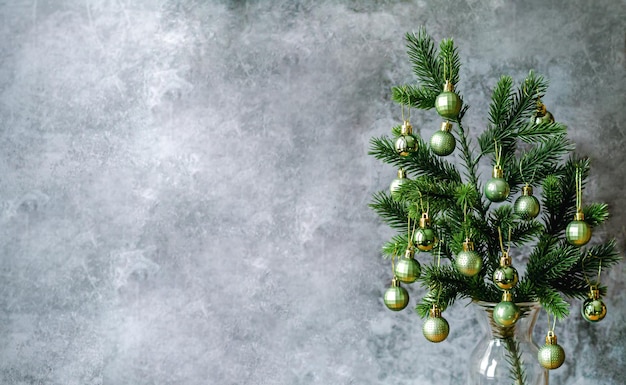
[(507, 355)]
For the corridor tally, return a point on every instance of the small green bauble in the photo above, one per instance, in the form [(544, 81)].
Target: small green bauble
[(396, 297), (594, 309), (406, 144), (468, 262), (448, 104), (407, 269), (527, 205), (551, 355), (435, 328), (497, 188), (505, 277), (425, 239), (546, 118), (506, 313), (395, 185), (442, 142), (578, 232)]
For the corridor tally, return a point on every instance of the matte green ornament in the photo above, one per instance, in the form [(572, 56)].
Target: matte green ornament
[(407, 269), (468, 262), (435, 328), (396, 297), (551, 355), (497, 188), (425, 238), (406, 142), (442, 142), (506, 313), (578, 232), (527, 205), (448, 104), (395, 185), (505, 276), (594, 309)]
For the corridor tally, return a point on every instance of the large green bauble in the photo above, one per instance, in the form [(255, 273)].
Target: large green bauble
[(407, 270), (406, 144), (448, 104), (436, 329), (396, 297), (442, 143), (527, 207), (468, 263), (505, 277), (578, 233), (551, 355), (497, 189), (593, 310), (395, 185), (506, 313), (425, 239)]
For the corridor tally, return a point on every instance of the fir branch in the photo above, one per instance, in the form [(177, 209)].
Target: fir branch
[(533, 133), (423, 57), (392, 212), (514, 359), (501, 101), (552, 302), (450, 61), (596, 214), (396, 246), (414, 96)]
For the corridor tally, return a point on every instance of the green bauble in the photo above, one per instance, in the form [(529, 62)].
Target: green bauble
[(436, 329), (396, 297), (468, 262), (497, 189), (593, 310), (407, 269), (551, 355), (406, 144), (546, 118), (505, 277), (578, 232), (448, 104), (506, 313), (442, 143), (395, 185), (527, 205), (425, 239)]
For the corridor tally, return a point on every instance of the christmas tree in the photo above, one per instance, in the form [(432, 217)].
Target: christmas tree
[(532, 202)]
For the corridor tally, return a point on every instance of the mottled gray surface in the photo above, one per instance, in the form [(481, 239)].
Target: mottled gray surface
[(184, 185)]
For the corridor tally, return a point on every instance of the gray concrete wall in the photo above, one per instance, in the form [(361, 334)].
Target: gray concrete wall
[(184, 184)]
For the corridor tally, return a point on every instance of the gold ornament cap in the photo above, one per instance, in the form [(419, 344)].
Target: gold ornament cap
[(551, 338), (507, 296), (395, 282), (435, 311), (446, 126), (407, 128), (468, 245), (424, 221), (527, 190), (541, 108), (594, 292), (498, 172), (505, 259), (409, 253), (448, 87), (401, 173), (579, 216)]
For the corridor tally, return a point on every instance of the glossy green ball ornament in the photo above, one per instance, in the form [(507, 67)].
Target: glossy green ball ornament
[(546, 118), (395, 185), (442, 142), (468, 262), (578, 232), (506, 313), (594, 309), (527, 205), (448, 104), (497, 188), (407, 269), (435, 328), (425, 238), (551, 355), (406, 142), (505, 276), (396, 297)]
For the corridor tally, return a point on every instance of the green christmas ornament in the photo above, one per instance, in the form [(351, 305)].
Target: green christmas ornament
[(395, 185), (468, 262), (505, 276), (396, 297), (407, 269), (425, 238), (406, 142), (578, 232), (542, 115), (442, 142), (497, 188), (506, 313), (551, 355), (448, 104), (435, 328), (527, 205), (594, 309)]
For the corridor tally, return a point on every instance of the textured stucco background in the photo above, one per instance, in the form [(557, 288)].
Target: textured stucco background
[(184, 184)]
